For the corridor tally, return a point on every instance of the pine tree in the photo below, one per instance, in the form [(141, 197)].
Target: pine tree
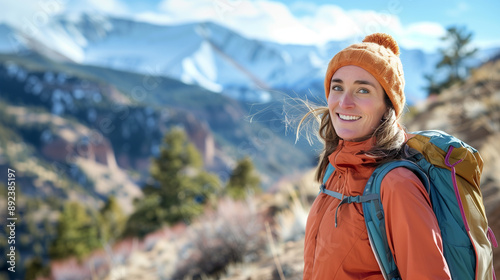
[(243, 180), (457, 52), (77, 233), (36, 269), (179, 189), (453, 59), (111, 220)]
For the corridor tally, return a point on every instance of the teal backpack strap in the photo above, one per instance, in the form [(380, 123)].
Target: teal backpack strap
[(328, 173), (343, 199), (374, 215), (346, 199)]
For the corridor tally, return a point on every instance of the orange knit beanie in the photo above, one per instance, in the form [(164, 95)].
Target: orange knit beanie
[(379, 55)]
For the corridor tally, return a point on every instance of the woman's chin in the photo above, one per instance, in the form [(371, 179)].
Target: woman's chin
[(353, 137), (348, 135)]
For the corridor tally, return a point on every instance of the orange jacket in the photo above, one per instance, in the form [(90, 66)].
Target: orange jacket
[(344, 252)]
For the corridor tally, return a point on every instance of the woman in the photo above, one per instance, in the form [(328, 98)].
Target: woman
[(364, 88)]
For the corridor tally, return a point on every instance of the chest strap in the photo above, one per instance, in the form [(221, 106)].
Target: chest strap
[(347, 199)]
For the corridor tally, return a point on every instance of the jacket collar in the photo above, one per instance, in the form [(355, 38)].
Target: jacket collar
[(349, 155)]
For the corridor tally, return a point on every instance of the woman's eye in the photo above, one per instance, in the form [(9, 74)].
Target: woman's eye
[(336, 88), (363, 90)]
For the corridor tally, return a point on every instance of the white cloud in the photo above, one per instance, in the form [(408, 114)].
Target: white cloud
[(269, 21), (261, 19), (422, 35), (39, 12), (333, 23), (112, 7), (109, 6), (265, 20), (316, 24), (429, 28), (185, 11), (20, 13)]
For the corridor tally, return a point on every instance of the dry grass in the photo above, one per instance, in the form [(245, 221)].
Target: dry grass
[(230, 242)]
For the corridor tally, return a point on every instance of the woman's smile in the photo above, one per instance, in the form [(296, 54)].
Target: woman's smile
[(348, 117)]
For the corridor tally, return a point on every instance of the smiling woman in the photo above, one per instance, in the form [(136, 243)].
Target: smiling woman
[(360, 127)]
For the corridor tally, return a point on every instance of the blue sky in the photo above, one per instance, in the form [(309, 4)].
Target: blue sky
[(414, 24), (481, 16)]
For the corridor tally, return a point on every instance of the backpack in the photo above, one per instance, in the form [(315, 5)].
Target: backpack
[(450, 170)]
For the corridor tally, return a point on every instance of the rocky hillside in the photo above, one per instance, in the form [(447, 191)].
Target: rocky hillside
[(116, 119), (81, 133), (472, 113)]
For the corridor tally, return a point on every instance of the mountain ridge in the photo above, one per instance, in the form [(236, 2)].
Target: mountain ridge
[(203, 53), (114, 101)]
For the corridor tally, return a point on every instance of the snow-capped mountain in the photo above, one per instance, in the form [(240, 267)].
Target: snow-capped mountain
[(203, 53)]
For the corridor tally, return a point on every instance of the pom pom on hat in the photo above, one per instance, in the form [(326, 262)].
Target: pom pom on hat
[(383, 40), (379, 55)]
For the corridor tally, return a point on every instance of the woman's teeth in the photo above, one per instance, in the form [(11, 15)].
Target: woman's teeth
[(349, 118)]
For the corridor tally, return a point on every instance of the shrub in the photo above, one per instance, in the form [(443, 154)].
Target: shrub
[(233, 233)]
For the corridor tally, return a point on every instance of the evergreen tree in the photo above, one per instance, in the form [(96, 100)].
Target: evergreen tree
[(453, 59), (243, 180), (77, 233), (179, 189), (111, 220), (149, 215), (36, 269), (457, 52), (433, 87)]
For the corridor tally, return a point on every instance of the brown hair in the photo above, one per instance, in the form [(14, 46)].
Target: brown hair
[(389, 136)]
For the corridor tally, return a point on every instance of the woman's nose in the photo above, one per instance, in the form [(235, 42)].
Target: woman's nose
[(346, 100)]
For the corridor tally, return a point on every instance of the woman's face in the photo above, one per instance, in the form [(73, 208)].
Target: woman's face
[(356, 103)]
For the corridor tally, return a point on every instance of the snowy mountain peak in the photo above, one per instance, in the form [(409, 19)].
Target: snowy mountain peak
[(84, 27), (202, 53)]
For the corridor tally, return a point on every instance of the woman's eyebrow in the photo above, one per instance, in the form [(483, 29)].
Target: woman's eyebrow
[(360, 82), (363, 82)]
